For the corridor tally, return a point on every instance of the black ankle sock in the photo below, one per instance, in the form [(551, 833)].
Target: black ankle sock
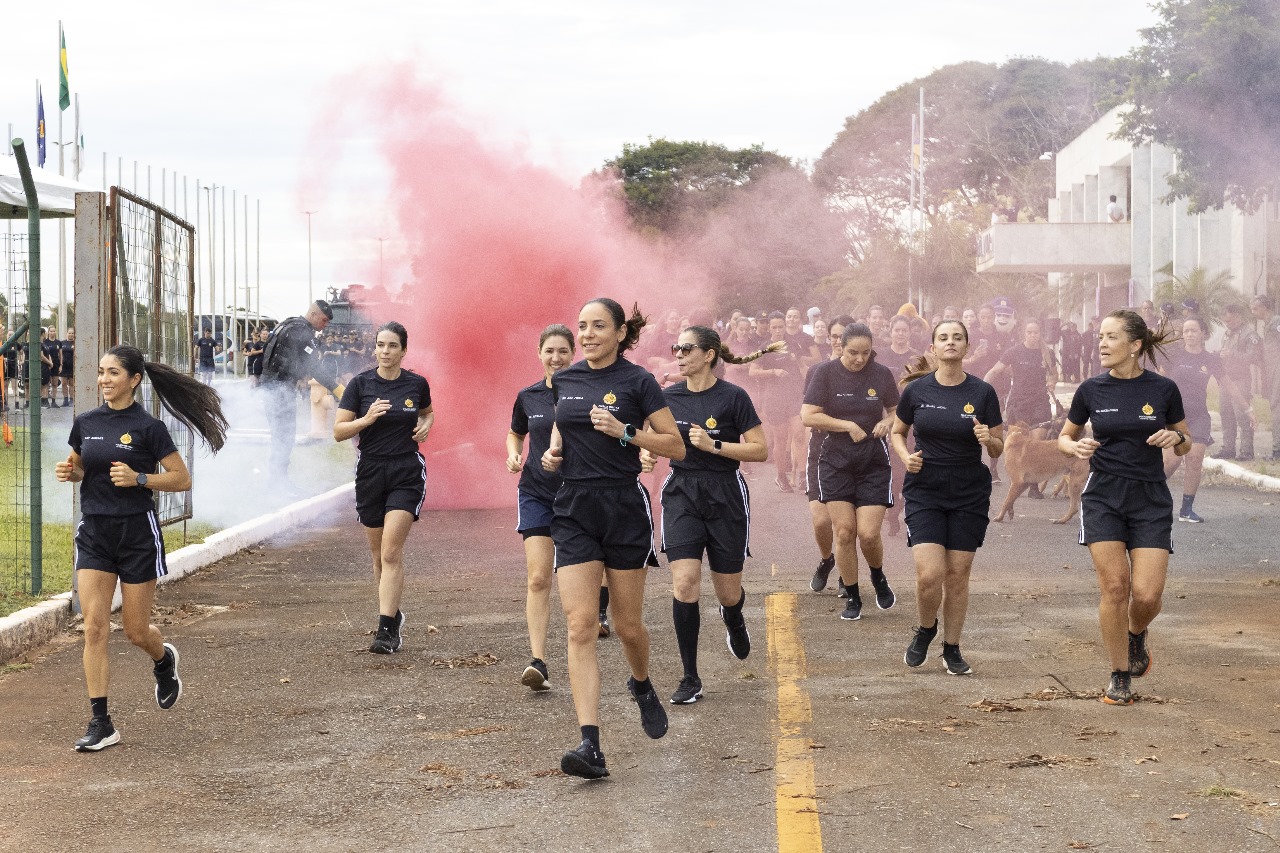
[(388, 622), (932, 632), (733, 612), (687, 618), (592, 733), (853, 590), (877, 573), (1187, 501), (643, 687), (955, 647), (99, 706), (604, 598)]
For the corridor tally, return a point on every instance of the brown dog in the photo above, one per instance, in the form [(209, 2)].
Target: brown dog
[(1031, 461)]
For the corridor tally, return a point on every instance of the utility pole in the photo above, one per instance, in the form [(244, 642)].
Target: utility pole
[(311, 296)]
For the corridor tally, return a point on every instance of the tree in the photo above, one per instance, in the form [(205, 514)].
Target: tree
[(1212, 292), (670, 187), (1206, 82)]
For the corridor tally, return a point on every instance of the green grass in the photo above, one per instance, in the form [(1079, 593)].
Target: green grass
[(1220, 791)]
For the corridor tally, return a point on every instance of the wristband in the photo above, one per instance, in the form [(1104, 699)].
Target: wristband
[(628, 433)]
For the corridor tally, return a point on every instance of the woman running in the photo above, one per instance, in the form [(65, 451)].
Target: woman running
[(947, 491), (388, 411), (601, 523), (897, 357), (706, 507), (818, 515), (533, 415), (115, 449), (1126, 512), (851, 399), (1191, 368), (780, 378)]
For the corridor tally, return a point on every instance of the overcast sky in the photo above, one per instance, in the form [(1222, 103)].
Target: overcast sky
[(230, 94)]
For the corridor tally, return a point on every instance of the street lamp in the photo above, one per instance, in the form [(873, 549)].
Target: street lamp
[(310, 294)]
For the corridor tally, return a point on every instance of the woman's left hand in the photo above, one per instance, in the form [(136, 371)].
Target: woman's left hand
[(421, 432), (604, 421), (882, 429), (123, 476), (1165, 438), (698, 438)]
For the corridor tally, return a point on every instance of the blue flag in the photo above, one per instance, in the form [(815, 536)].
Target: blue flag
[(40, 146)]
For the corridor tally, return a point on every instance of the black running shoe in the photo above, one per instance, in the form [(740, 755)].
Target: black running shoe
[(168, 684), (918, 651), (653, 717), (385, 642), (535, 676), (956, 665), (100, 735), (736, 637), (1139, 655), (819, 581), (853, 609), (1190, 517), (884, 593), (689, 691), (586, 761), (1120, 690)]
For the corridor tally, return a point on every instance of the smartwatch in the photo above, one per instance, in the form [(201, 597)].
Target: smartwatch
[(628, 433), (142, 480), (718, 445), (1182, 438)]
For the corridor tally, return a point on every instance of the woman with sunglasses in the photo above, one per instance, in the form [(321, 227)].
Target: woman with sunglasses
[(706, 507)]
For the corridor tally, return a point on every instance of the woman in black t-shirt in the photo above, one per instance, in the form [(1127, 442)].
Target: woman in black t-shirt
[(898, 356), (388, 411), (602, 524), (706, 507), (1126, 513), (533, 415), (115, 449), (947, 491)]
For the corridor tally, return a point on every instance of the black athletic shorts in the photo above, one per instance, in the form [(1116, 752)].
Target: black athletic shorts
[(1200, 428), (707, 512), (947, 505), (603, 521), (1031, 411), (1138, 513), (811, 465), (126, 545), (533, 515), (859, 474), (384, 483)]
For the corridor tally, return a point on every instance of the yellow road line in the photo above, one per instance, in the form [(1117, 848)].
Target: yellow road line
[(797, 805)]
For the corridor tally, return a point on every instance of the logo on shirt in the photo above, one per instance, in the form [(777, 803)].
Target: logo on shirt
[(408, 404), (126, 439), (610, 398), (871, 392), (1147, 410), (968, 408), (711, 423)]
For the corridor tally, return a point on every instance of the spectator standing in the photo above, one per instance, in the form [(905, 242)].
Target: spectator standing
[(292, 355), (1264, 309), (1241, 363), (206, 350), (1115, 212)]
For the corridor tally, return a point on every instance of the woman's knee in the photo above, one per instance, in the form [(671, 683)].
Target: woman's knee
[(96, 632), (138, 632), (539, 583)]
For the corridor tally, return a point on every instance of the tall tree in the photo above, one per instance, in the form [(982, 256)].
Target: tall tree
[(1206, 82)]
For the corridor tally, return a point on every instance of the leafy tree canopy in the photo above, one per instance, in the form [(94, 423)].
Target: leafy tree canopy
[(1206, 82)]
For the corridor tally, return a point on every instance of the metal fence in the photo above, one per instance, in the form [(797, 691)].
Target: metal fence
[(151, 291), (15, 469)]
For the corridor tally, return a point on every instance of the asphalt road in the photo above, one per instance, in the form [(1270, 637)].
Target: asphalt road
[(290, 736)]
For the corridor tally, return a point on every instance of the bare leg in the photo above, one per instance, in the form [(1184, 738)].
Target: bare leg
[(580, 599), (931, 570), (955, 602), (822, 532), (1111, 563), (96, 591), (844, 525), (869, 521), (539, 552), (626, 598)]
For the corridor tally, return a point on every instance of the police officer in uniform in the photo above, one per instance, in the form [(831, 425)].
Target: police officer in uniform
[(1264, 309), (292, 355), (115, 450), (1126, 512)]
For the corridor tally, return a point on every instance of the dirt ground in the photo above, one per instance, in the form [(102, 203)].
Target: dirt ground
[(290, 736)]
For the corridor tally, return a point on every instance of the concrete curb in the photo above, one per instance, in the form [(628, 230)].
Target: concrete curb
[(36, 625), (1244, 475)]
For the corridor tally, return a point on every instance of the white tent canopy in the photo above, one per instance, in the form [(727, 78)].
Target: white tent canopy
[(56, 194)]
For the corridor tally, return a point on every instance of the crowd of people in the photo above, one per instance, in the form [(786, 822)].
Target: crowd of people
[(57, 371)]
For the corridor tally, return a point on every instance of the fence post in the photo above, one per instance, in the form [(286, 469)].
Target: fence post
[(33, 364)]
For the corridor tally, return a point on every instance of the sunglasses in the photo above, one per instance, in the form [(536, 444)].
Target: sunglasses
[(683, 349)]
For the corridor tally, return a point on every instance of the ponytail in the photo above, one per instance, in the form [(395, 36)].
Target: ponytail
[(1153, 341), (632, 324), (709, 340), (192, 402)]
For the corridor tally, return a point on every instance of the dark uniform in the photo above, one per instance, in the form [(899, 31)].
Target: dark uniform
[(1241, 350), (50, 349), (390, 472), (206, 351), (1126, 498), (601, 511), (706, 506), (1191, 373), (780, 396), (858, 473), (1028, 401), (118, 531), (67, 350), (292, 355), (534, 414), (948, 500), (813, 450)]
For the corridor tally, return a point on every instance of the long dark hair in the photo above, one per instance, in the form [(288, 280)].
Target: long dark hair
[(190, 401), (1153, 341), (921, 366), (633, 324), (709, 339)]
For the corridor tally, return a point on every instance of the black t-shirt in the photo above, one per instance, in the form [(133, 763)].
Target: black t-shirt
[(861, 397), (53, 352), (1191, 372), (68, 354), (105, 435), (391, 434), (629, 392), (207, 348), (1028, 373), (724, 410), (800, 344), (1124, 413), (896, 362), (534, 414), (943, 416)]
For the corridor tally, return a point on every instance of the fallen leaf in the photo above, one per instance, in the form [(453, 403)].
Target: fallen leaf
[(1181, 816), (284, 681)]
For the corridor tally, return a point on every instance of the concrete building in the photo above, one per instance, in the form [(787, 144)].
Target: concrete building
[(1100, 265)]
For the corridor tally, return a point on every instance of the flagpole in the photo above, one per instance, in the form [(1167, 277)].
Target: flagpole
[(911, 211), (923, 209)]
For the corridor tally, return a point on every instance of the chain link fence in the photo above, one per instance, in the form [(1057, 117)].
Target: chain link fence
[(15, 485)]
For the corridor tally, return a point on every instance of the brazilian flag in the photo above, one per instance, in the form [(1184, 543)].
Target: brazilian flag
[(64, 87)]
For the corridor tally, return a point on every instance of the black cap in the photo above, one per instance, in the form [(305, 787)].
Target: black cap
[(325, 309), (1265, 301)]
